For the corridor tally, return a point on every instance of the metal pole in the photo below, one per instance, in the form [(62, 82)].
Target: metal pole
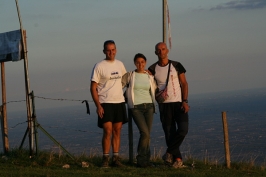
[(34, 120), (37, 125), (164, 21), (23, 139), (54, 140), (226, 140), (27, 85), (3, 111)]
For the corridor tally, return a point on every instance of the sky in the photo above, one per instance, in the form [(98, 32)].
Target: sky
[(221, 43)]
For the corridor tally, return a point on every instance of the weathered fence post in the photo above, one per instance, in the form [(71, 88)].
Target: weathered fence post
[(130, 137), (4, 126), (226, 140)]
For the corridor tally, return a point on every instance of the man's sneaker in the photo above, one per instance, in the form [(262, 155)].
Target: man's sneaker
[(116, 161), (105, 162), (179, 164), (168, 158)]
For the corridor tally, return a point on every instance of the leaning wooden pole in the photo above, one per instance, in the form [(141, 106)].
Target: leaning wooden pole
[(27, 84), (3, 111), (164, 21), (226, 141)]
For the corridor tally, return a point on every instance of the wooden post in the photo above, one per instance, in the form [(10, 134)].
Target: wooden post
[(226, 141), (27, 89), (130, 137), (3, 111)]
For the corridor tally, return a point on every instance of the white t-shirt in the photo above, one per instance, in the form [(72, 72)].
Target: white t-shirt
[(173, 87), (108, 75)]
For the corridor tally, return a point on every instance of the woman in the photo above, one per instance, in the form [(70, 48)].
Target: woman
[(141, 102)]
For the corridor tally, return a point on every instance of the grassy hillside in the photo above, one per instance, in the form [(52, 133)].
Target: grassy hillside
[(47, 164)]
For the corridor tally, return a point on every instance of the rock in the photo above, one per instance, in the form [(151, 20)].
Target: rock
[(66, 166), (85, 164)]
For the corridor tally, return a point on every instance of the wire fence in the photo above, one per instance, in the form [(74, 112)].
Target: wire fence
[(79, 134)]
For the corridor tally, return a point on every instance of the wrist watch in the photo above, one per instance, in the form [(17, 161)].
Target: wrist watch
[(186, 101)]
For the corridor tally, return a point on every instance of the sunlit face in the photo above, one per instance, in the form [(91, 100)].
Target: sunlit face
[(110, 51), (161, 51), (140, 64)]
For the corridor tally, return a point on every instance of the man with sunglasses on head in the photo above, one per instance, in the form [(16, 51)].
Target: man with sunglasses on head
[(174, 110), (107, 94)]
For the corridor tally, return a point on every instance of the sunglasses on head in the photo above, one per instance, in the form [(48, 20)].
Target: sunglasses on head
[(109, 41)]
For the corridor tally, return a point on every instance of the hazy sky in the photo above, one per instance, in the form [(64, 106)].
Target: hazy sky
[(221, 43)]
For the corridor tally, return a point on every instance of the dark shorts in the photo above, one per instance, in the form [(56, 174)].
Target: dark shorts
[(113, 112)]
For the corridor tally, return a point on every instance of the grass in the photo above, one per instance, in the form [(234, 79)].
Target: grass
[(48, 164)]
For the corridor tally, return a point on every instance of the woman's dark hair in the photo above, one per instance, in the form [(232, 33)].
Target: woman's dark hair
[(139, 55)]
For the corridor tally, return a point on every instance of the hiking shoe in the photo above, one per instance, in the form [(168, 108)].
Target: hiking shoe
[(105, 162), (116, 161), (168, 158), (179, 164)]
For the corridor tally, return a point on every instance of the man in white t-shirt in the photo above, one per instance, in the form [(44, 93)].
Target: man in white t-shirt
[(107, 94), (174, 110)]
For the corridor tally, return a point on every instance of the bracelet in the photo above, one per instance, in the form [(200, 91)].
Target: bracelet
[(186, 101)]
